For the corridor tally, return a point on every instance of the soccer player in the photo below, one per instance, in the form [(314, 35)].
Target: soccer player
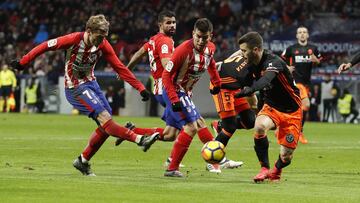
[(189, 60), (159, 49), (235, 113), (7, 87), (302, 57), (281, 109), (83, 50), (346, 66)]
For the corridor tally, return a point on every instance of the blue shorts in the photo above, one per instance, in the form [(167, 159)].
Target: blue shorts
[(188, 114), (159, 98), (88, 99)]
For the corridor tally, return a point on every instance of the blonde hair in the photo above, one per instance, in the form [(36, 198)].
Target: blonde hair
[(97, 22)]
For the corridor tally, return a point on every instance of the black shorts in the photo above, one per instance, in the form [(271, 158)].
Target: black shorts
[(5, 91)]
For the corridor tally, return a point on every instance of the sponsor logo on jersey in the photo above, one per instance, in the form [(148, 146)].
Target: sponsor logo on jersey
[(169, 66), (52, 42), (302, 59), (164, 49)]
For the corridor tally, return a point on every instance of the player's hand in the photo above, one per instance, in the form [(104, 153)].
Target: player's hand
[(291, 68), (344, 67), (314, 59), (215, 90), (145, 95), (176, 107), (245, 92), (16, 65)]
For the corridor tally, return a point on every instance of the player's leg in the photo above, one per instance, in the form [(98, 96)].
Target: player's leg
[(2, 103), (186, 120), (305, 108), (263, 123), (288, 135)]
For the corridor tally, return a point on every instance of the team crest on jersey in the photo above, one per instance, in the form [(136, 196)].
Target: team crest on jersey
[(289, 138), (52, 42), (169, 66), (164, 49)]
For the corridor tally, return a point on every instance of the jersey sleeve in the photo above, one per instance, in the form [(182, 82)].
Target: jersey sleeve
[(178, 58), (214, 74), (146, 46), (120, 68), (165, 47), (355, 59), (274, 66), (62, 42)]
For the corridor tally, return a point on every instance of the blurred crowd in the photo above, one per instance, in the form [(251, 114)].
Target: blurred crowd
[(24, 23)]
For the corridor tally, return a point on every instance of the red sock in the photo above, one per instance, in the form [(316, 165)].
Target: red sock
[(180, 147), (161, 133), (116, 130), (148, 131), (205, 135), (96, 140)]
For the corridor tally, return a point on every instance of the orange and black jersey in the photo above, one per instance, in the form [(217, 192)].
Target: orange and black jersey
[(234, 73), (299, 56), (280, 91)]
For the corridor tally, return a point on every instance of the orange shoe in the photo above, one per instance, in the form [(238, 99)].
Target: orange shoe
[(302, 138), (274, 175), (262, 175)]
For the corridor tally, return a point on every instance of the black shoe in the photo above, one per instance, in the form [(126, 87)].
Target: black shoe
[(147, 141), (84, 168), (128, 125)]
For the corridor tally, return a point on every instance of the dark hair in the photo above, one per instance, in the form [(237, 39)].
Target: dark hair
[(203, 25), (252, 39), (165, 13)]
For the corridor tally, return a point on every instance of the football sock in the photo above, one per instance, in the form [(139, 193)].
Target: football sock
[(7, 105), (161, 133), (205, 135), (224, 137), (97, 139), (261, 148), (280, 164), (116, 130), (180, 147), (83, 160)]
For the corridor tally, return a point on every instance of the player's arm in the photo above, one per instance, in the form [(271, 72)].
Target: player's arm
[(214, 77), (62, 42), (139, 54), (316, 57), (166, 47), (346, 66), (123, 71), (178, 58), (264, 81)]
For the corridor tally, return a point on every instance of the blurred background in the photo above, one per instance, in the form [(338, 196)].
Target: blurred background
[(334, 26)]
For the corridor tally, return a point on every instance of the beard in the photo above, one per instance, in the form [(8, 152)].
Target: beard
[(252, 58), (170, 32)]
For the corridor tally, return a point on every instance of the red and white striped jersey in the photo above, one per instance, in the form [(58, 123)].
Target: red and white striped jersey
[(186, 67), (158, 47), (81, 59)]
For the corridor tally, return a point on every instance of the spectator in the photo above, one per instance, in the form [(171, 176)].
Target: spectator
[(347, 106), (328, 97)]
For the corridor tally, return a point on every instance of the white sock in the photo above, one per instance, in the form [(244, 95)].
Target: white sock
[(83, 159), (138, 138)]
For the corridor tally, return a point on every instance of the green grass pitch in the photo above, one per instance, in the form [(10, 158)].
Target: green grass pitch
[(36, 154)]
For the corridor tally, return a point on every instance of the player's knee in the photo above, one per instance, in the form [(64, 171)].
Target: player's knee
[(260, 128), (103, 117), (170, 137)]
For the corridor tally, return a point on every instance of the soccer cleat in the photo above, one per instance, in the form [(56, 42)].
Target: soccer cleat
[(213, 168), (84, 168), (274, 174), (146, 141), (167, 163), (128, 125), (262, 175), (230, 164), (216, 127), (174, 173), (302, 138)]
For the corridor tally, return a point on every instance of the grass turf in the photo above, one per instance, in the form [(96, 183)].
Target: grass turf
[(36, 154)]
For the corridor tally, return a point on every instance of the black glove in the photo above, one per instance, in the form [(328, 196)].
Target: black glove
[(176, 107), (215, 90), (16, 65), (145, 95), (245, 92)]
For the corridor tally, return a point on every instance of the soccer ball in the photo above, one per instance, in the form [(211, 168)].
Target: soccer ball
[(213, 152)]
